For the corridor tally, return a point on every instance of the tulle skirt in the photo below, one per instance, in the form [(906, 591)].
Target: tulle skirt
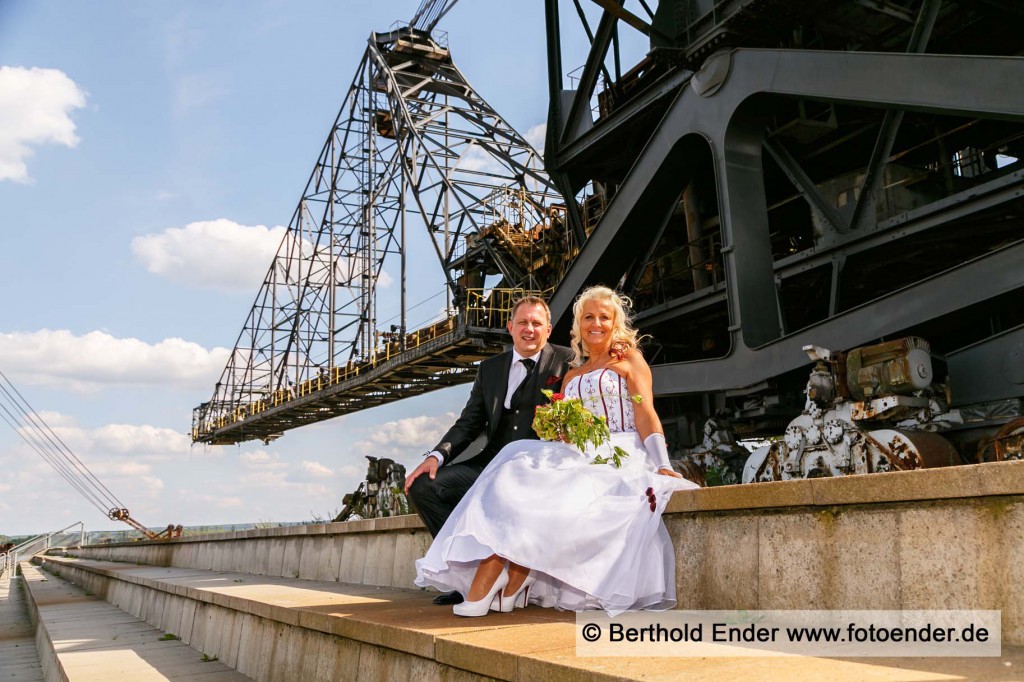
[(585, 530)]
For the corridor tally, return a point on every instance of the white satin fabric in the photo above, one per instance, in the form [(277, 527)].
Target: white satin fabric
[(586, 530)]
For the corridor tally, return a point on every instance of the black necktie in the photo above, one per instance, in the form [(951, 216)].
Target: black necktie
[(529, 363)]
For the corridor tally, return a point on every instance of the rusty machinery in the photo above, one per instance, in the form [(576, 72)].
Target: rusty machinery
[(122, 514), (873, 409), (777, 175)]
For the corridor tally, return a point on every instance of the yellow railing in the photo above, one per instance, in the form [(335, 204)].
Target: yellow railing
[(490, 308)]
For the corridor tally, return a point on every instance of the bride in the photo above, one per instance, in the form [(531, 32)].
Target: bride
[(543, 525)]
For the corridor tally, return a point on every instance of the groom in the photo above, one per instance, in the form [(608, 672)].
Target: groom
[(505, 393)]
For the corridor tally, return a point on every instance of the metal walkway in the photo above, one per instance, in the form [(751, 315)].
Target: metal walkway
[(440, 355)]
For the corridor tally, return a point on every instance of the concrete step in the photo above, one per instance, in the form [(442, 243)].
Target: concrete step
[(274, 628), (81, 638), (942, 538), (19, 661)]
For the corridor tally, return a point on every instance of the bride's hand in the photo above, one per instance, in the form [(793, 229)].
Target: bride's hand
[(670, 472)]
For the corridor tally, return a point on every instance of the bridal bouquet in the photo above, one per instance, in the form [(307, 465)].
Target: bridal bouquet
[(569, 421)]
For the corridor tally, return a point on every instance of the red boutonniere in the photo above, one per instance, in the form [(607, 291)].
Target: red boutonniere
[(552, 380)]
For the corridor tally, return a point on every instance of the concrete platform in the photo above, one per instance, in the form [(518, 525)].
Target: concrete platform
[(81, 638), (19, 661), (275, 628), (950, 538)]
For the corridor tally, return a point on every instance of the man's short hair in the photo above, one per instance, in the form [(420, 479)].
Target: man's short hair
[(530, 300)]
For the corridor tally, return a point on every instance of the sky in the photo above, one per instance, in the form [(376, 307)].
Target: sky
[(150, 153)]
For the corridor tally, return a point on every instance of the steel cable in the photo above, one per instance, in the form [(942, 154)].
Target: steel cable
[(48, 445)]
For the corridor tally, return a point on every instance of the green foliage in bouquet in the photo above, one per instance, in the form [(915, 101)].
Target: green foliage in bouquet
[(569, 421)]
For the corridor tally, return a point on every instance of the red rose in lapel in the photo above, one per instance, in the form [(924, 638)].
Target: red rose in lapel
[(552, 380)]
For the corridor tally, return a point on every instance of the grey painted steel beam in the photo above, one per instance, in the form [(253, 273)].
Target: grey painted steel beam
[(992, 369), (575, 123), (726, 115), (625, 116), (792, 169), (990, 275)]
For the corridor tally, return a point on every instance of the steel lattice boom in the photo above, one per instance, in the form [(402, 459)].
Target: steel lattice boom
[(414, 147)]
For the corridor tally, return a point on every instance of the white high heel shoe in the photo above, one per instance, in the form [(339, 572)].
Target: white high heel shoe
[(520, 598), (480, 607)]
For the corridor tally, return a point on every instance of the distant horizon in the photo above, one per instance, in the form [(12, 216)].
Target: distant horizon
[(213, 526)]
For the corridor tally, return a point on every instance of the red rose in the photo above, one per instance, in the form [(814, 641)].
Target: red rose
[(552, 380), (555, 397)]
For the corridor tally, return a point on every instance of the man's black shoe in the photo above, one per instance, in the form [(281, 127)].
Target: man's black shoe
[(448, 599)]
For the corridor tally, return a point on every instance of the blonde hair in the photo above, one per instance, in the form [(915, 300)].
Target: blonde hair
[(624, 336)]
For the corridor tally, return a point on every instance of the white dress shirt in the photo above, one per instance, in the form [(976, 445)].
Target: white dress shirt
[(516, 373)]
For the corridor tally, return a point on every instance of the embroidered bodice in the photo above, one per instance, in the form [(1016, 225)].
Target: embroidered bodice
[(604, 393)]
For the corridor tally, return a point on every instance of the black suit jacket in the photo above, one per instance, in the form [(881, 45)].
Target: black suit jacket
[(486, 400)]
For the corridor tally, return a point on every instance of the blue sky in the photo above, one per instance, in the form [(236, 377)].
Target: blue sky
[(149, 153)]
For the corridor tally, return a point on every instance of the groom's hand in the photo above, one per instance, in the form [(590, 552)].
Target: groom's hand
[(427, 466)]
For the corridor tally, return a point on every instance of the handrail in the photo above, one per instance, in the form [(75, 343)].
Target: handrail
[(11, 558), (480, 308)]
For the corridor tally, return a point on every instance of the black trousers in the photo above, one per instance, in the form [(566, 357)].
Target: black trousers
[(436, 499)]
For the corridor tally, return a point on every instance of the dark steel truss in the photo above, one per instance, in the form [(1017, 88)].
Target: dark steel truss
[(780, 174), (414, 146)]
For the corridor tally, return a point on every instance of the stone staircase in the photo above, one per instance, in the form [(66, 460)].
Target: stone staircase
[(19, 661), (333, 602)]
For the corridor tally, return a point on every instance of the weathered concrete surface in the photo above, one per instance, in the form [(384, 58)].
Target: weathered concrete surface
[(373, 552), (81, 638), (945, 554), (19, 661), (932, 539), (293, 629)]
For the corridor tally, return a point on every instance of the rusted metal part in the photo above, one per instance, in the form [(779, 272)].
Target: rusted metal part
[(894, 367), (379, 495), (837, 437), (718, 460), (905, 450), (1009, 442), (891, 407), (691, 471)]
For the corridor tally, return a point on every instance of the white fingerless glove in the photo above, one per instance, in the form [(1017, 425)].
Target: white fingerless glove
[(658, 450)]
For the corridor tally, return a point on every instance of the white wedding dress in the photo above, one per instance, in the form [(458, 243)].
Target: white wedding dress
[(585, 530)]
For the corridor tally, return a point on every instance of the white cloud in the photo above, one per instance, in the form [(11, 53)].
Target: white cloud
[(535, 136), (316, 469), (476, 158), (124, 465), (133, 442), (193, 499), (211, 254), (110, 469), (197, 90), (141, 440), (34, 110), (226, 256), (97, 359), (310, 473), (397, 439), (260, 460)]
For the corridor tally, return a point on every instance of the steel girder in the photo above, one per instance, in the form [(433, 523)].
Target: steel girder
[(720, 108), (413, 146)]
